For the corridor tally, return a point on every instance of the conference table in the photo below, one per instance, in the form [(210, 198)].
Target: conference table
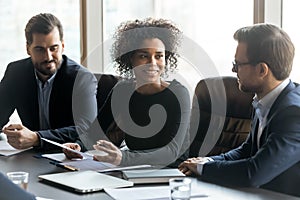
[(31, 162)]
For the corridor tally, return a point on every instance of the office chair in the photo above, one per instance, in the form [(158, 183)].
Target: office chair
[(106, 82), (220, 118)]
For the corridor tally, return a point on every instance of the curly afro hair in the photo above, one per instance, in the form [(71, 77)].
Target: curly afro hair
[(130, 35)]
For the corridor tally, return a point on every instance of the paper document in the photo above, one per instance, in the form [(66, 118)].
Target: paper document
[(146, 193), (87, 163), (6, 149), (59, 157), (65, 147), (125, 168), (42, 198)]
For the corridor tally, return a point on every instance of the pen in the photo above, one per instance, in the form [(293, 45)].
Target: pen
[(68, 167)]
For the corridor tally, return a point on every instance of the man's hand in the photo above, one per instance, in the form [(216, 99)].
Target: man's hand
[(70, 154), (189, 166), (20, 137), (114, 154)]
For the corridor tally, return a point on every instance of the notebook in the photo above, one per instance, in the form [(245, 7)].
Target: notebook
[(84, 181), (151, 175)]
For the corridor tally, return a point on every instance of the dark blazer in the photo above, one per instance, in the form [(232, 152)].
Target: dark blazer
[(72, 100), (276, 164)]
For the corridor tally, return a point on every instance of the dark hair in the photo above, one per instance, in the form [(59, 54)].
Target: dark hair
[(270, 44), (130, 35), (42, 23)]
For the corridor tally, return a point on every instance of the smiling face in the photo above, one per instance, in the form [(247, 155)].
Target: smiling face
[(46, 53), (149, 62)]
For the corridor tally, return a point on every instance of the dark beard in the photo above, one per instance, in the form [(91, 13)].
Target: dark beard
[(45, 72)]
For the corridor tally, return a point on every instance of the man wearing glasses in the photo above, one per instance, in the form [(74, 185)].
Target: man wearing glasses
[(270, 157)]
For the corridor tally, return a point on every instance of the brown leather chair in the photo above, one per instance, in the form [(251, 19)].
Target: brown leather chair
[(221, 116)]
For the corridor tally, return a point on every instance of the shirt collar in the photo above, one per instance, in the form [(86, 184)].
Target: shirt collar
[(267, 101), (49, 81)]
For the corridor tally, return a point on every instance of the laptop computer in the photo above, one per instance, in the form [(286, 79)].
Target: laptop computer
[(84, 181)]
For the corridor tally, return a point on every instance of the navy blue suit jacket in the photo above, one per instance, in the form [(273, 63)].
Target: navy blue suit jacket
[(72, 100), (276, 164)]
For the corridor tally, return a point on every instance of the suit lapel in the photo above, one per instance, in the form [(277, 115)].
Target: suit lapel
[(254, 130), (274, 111), (31, 91), (276, 103)]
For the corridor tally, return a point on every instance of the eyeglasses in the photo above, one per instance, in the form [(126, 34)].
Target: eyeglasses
[(236, 65)]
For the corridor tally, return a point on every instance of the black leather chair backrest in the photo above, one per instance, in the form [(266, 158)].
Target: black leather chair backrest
[(106, 82), (221, 116)]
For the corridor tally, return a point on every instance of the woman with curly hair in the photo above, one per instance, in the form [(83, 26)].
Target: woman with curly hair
[(131, 34), (151, 114)]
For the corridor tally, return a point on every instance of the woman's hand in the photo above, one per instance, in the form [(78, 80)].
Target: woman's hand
[(70, 154), (114, 154)]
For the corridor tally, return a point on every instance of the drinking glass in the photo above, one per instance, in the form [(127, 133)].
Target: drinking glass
[(180, 188), (19, 178)]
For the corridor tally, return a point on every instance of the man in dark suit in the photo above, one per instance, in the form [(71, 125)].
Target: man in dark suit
[(54, 96), (270, 157)]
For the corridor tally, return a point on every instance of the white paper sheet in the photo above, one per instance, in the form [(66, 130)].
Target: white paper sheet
[(59, 157), (65, 147), (42, 198), (146, 193), (87, 163)]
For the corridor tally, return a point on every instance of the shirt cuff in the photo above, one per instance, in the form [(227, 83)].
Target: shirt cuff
[(40, 141), (201, 164)]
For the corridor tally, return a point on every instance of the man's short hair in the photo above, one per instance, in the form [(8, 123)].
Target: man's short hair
[(42, 23)]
